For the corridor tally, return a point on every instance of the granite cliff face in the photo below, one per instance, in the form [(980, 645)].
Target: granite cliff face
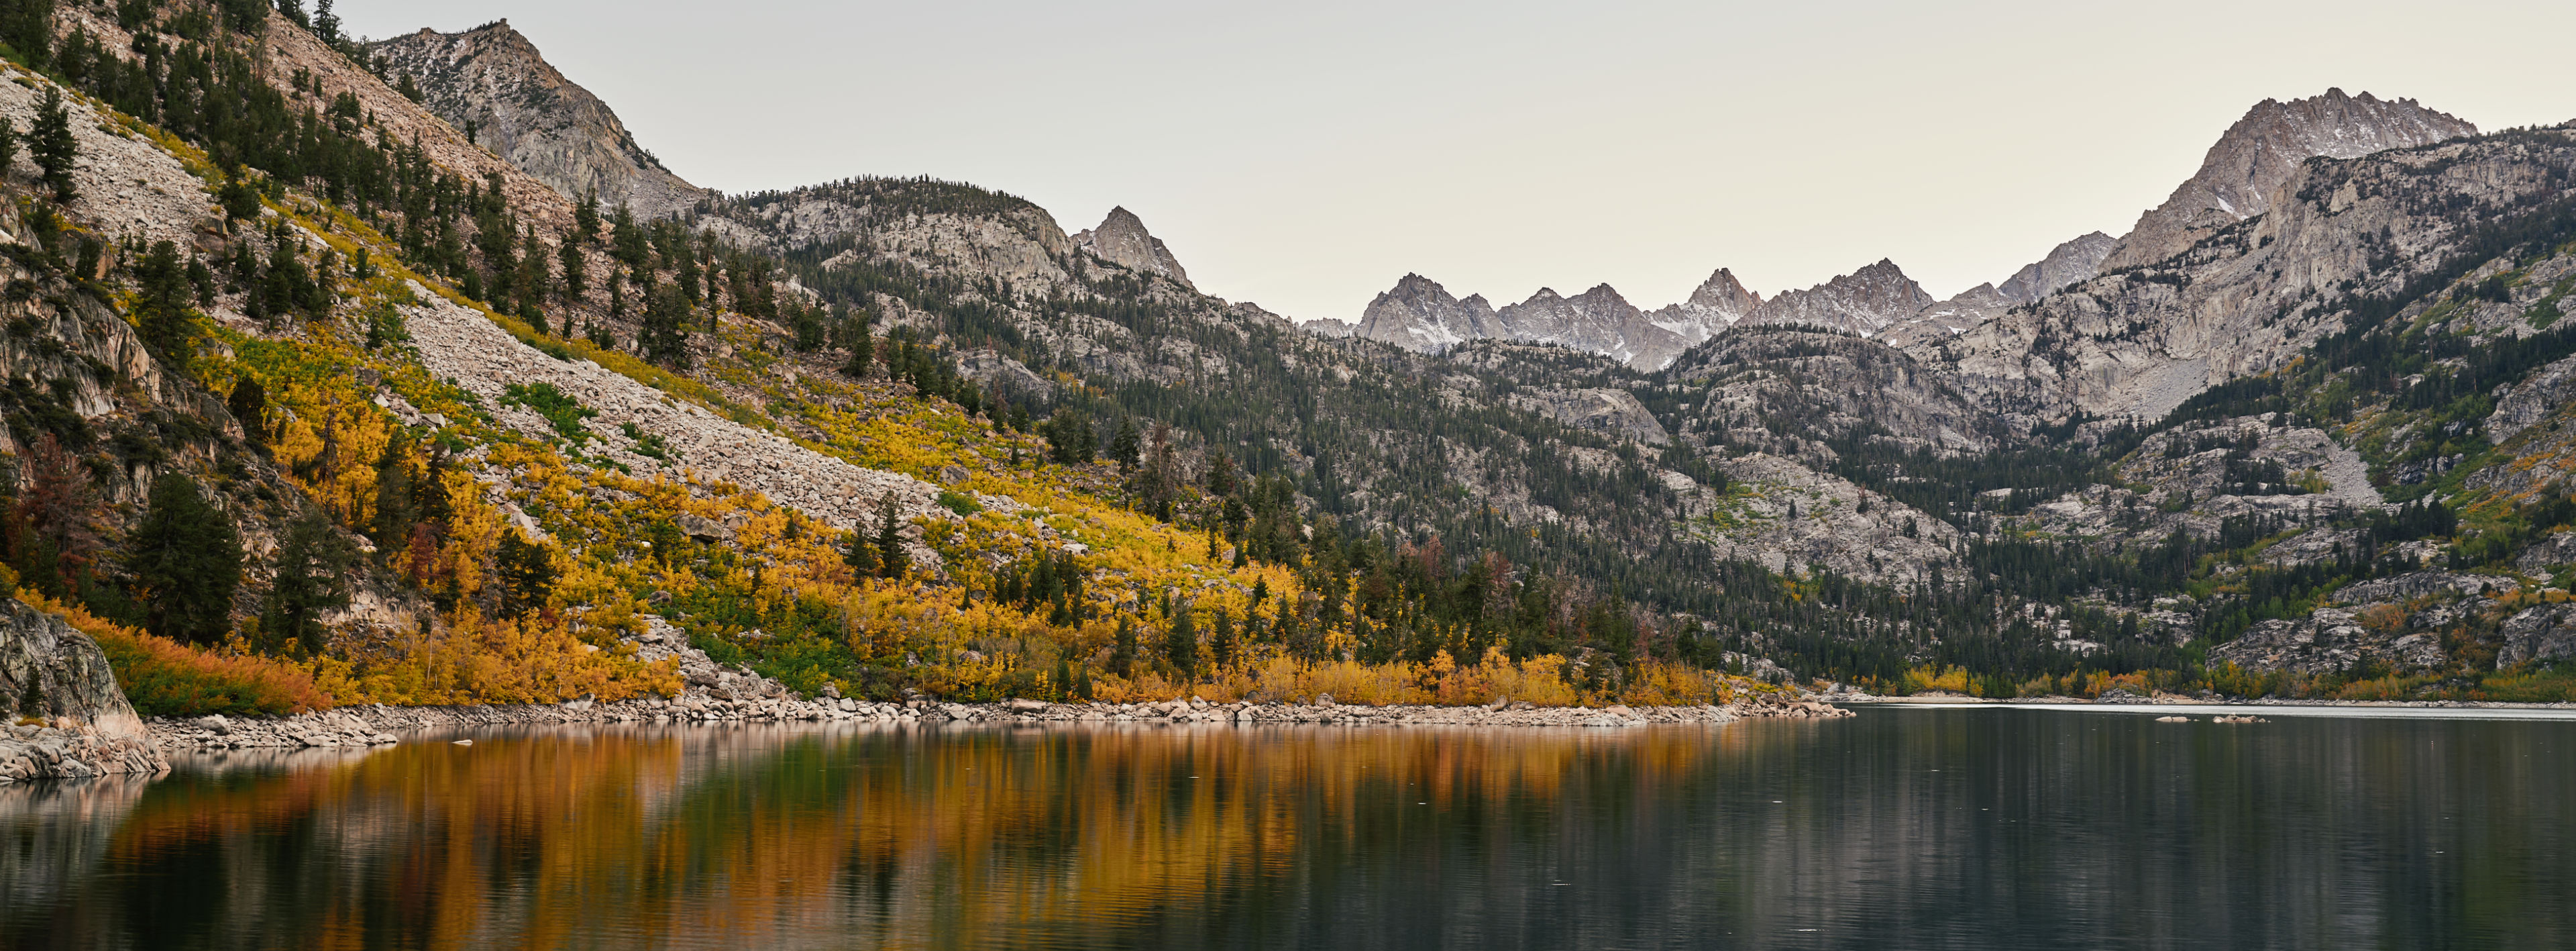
[(2247, 298), (1122, 239), (492, 80), (2265, 149), (53, 675)]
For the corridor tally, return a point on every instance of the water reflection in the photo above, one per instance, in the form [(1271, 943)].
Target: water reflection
[(1902, 828)]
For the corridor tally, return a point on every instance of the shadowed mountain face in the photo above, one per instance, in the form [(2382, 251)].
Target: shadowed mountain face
[(492, 81)]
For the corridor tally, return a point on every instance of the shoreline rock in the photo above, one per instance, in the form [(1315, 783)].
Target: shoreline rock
[(376, 725), (62, 715)]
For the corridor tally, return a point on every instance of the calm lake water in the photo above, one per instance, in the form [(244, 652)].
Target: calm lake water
[(1901, 828)]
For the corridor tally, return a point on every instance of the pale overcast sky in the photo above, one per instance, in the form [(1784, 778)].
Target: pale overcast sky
[(1305, 156)]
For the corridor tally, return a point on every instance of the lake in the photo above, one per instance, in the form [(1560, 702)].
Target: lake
[(1899, 828)]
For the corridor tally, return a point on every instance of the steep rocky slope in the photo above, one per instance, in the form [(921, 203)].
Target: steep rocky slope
[(2265, 149), (2247, 298), (492, 80)]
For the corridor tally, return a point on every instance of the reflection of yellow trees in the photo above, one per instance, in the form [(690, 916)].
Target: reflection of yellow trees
[(883, 838)]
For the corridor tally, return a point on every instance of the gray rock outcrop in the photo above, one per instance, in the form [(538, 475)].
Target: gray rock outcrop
[(64, 716), (2264, 150), (1602, 409), (2543, 633), (493, 80), (2073, 262), (1122, 239)]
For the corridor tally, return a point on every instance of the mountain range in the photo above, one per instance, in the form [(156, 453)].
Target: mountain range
[(2253, 157)]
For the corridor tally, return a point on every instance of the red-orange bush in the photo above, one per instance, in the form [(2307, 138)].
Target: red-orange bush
[(163, 677)]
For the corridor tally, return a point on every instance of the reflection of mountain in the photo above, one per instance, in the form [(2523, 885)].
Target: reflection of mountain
[(1902, 828)]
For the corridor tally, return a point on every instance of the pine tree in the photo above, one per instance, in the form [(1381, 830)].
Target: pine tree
[(664, 335), (1122, 657), (186, 560), (892, 560), (326, 24), (863, 353), (536, 275), (1181, 643), (249, 406), (8, 144), (576, 269), (1221, 640), (860, 553), (161, 306), (585, 220), (527, 574), (51, 143), (395, 510), (314, 562), (1127, 446)]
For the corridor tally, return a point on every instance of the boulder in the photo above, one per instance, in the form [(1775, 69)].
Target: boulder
[(53, 673)]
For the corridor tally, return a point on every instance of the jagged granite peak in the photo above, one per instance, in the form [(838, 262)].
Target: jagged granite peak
[(2264, 149), (1122, 239), (2070, 263), (1863, 302), (1597, 320), (1718, 303), (1420, 315), (493, 80)]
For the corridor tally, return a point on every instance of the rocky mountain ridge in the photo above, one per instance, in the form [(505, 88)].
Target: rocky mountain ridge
[(1122, 239), (2255, 156), (492, 80)]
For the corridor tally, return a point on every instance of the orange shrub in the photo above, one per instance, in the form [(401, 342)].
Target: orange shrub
[(163, 677)]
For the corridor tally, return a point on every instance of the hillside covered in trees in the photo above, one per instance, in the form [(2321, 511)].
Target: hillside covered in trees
[(315, 400)]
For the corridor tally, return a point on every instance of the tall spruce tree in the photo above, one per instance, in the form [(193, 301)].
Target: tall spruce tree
[(527, 574), (860, 553), (892, 560), (161, 304), (1127, 446), (53, 147), (1181, 642), (313, 566), (664, 334), (186, 560), (1221, 639)]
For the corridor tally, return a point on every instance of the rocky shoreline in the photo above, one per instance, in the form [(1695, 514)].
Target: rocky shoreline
[(380, 725)]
